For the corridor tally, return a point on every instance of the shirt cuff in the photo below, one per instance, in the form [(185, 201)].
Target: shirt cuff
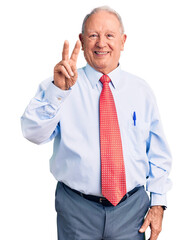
[(158, 199), (55, 96)]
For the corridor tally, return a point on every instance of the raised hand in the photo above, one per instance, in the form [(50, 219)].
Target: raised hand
[(65, 72)]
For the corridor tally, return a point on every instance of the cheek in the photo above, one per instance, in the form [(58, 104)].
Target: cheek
[(88, 48), (122, 47), (115, 47), (88, 45), (87, 51), (88, 54)]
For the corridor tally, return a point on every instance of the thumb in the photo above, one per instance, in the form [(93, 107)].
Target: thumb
[(144, 226)]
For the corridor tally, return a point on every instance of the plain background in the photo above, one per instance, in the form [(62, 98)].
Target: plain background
[(159, 49)]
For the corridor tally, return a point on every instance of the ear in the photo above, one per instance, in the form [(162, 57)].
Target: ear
[(123, 39), (82, 41)]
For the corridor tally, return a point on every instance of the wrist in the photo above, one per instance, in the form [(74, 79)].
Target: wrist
[(159, 207), (64, 87)]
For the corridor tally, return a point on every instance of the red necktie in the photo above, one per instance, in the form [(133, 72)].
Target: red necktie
[(112, 163)]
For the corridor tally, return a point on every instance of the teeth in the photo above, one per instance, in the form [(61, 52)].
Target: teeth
[(101, 53)]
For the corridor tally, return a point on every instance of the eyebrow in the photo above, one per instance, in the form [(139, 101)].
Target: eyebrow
[(94, 31)]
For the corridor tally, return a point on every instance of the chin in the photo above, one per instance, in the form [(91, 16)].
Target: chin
[(100, 68), (101, 64)]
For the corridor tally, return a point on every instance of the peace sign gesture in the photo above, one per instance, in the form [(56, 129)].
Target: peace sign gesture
[(65, 72)]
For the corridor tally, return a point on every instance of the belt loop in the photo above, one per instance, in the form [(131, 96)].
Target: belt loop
[(127, 194)]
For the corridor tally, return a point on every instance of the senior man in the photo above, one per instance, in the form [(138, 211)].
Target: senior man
[(109, 141)]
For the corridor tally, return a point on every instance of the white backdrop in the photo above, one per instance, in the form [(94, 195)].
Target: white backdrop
[(159, 48)]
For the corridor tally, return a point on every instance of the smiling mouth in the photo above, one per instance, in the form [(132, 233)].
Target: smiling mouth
[(100, 53)]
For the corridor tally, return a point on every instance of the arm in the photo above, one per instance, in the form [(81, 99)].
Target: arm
[(160, 161), (40, 119), (160, 165)]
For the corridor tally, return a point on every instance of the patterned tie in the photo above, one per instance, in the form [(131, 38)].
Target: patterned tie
[(112, 163)]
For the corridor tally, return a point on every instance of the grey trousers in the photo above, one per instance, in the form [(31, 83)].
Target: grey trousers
[(82, 219)]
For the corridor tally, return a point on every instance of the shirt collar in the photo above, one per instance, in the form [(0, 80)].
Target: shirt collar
[(94, 76)]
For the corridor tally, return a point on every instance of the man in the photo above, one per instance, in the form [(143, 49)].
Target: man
[(109, 141)]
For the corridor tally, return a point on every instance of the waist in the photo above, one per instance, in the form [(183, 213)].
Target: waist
[(102, 200)]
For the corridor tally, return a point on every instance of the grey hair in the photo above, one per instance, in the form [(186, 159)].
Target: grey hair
[(103, 8)]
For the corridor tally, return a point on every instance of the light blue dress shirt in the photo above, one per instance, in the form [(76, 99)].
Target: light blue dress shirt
[(72, 118)]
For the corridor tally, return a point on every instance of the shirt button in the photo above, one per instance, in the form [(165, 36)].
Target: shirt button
[(59, 98)]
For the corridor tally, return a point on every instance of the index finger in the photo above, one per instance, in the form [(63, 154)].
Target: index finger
[(76, 50), (65, 52)]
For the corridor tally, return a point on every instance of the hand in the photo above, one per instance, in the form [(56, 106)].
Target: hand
[(154, 220), (65, 72)]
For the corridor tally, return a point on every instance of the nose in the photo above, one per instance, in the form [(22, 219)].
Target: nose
[(101, 42)]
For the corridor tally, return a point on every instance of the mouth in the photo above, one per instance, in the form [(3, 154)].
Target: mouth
[(101, 53)]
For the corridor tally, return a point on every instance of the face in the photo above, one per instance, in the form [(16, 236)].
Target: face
[(102, 41)]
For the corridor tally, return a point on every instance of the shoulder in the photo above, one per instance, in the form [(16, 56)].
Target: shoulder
[(82, 80), (81, 72), (134, 80), (137, 83)]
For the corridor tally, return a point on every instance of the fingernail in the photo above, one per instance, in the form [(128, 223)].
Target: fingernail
[(72, 74)]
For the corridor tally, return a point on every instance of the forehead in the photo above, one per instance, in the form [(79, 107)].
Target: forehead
[(102, 21)]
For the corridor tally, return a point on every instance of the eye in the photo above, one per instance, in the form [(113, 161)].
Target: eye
[(110, 35), (93, 35)]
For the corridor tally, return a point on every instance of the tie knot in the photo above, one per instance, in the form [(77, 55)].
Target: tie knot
[(105, 79)]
